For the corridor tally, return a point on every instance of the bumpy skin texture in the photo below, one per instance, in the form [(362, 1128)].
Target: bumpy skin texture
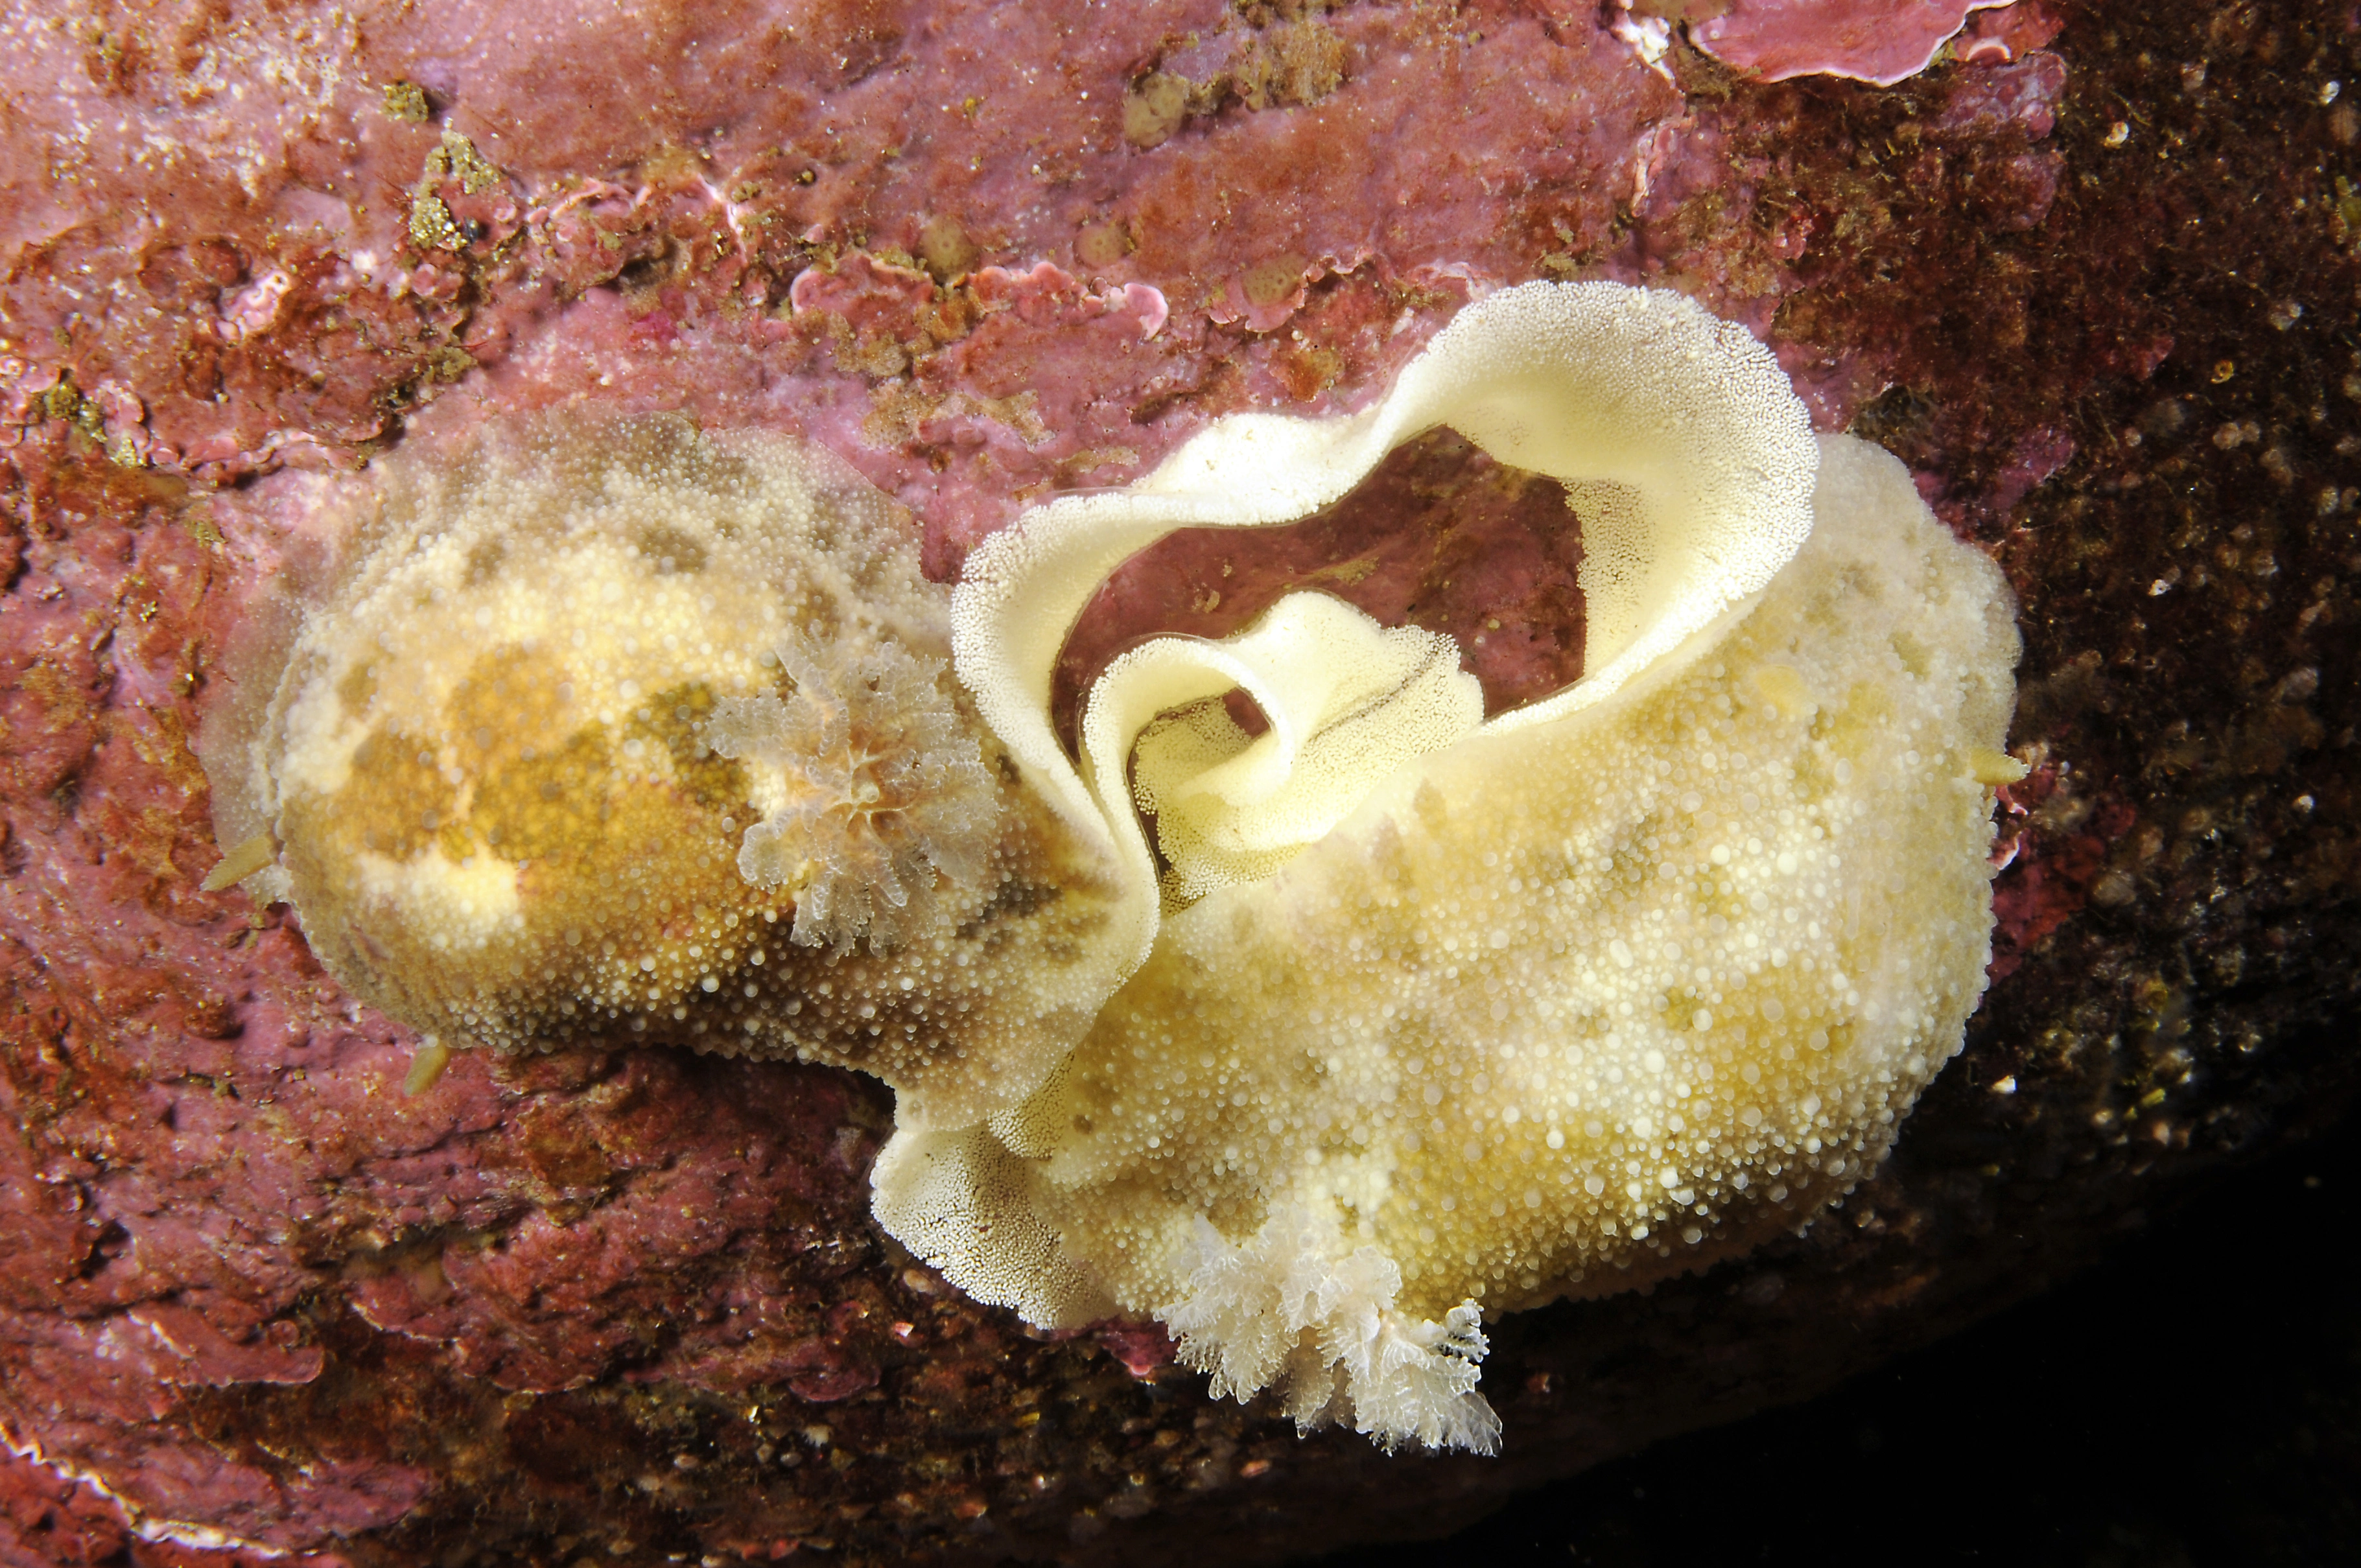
[(595, 1303), (1563, 1009), (612, 730), (1583, 925)]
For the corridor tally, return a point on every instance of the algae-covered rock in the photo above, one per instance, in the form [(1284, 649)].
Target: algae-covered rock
[(631, 1304)]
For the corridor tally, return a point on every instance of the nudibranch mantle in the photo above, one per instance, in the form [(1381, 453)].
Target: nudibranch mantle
[(622, 730), (1614, 985), (1690, 462)]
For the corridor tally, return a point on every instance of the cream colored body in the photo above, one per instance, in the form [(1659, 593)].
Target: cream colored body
[(1595, 991), (509, 768), (1559, 1009), (628, 732)]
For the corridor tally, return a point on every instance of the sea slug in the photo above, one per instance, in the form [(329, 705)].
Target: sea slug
[(618, 729), (1395, 1017), (1605, 989)]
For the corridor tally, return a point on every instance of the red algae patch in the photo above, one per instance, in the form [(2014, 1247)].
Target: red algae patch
[(1880, 41)]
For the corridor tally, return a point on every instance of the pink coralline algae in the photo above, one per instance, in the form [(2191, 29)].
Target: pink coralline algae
[(1882, 41), (326, 258), (2006, 33), (2020, 97)]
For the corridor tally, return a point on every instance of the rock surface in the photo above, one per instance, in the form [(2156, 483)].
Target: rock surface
[(631, 1307)]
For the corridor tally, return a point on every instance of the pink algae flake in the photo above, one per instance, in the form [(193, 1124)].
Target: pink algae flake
[(1884, 41)]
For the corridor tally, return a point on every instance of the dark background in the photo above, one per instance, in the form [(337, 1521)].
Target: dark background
[(2192, 1399)]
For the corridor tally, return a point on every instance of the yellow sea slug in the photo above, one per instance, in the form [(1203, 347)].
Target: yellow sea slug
[(1404, 1016), (622, 731), (1600, 991)]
